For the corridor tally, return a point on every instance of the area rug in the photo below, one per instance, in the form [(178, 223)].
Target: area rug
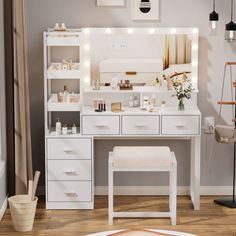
[(149, 232)]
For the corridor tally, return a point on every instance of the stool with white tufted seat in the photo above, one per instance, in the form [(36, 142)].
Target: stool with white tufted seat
[(143, 159)]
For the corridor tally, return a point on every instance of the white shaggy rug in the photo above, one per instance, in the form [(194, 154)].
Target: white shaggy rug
[(149, 232)]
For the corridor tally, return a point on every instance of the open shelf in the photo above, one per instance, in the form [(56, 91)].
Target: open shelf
[(52, 133), (54, 105), (63, 74)]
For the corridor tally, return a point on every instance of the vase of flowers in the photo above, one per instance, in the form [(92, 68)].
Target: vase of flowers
[(183, 88)]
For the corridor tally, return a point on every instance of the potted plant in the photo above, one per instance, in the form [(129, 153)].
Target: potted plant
[(183, 88)]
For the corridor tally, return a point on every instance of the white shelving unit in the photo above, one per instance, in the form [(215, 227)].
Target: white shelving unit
[(68, 158)]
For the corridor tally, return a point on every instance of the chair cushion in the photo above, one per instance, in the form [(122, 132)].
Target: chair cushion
[(142, 157)]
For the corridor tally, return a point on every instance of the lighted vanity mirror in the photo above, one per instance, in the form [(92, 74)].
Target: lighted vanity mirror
[(140, 55)]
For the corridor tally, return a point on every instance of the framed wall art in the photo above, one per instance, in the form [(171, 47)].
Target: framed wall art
[(145, 9), (111, 3)]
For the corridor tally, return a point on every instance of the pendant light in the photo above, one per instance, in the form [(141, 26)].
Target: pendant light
[(213, 17), (230, 28)]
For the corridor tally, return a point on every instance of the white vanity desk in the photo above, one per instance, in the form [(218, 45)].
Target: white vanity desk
[(69, 158), (166, 123)]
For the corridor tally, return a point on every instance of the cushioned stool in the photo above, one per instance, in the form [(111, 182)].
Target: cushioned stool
[(144, 159)]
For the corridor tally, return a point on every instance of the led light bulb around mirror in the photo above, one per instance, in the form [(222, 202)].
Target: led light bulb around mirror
[(151, 31), (194, 63), (195, 47), (86, 47), (130, 31), (194, 80), (108, 31), (86, 31), (87, 63), (195, 31), (86, 79), (173, 31)]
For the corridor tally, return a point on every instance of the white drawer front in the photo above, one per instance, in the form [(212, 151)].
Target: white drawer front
[(69, 170), (101, 125), (180, 125), (69, 191), (69, 148), (140, 125)]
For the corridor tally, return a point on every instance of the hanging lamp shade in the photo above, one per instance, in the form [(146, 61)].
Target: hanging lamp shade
[(213, 17), (230, 28)]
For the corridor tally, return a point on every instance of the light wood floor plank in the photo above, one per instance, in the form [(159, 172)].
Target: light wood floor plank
[(211, 220)]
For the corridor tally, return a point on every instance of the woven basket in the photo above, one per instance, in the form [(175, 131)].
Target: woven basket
[(22, 212)]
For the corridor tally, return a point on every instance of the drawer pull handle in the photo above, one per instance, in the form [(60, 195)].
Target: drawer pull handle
[(71, 194), (180, 125), (101, 125), (140, 125), (68, 151), (70, 172)]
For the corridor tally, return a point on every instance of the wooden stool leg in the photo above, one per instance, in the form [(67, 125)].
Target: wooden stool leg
[(174, 193), (110, 193)]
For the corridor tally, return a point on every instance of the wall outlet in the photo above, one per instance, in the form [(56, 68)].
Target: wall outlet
[(209, 124)]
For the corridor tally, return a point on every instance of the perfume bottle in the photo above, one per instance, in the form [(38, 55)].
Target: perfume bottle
[(66, 94), (74, 129), (58, 127), (64, 130)]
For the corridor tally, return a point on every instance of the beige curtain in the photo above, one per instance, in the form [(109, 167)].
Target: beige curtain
[(23, 154)]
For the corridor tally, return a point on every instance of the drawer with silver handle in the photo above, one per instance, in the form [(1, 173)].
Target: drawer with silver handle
[(140, 125), (100, 125), (180, 125), (69, 148), (69, 170), (69, 191)]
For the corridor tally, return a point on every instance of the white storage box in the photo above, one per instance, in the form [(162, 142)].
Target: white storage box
[(138, 71)]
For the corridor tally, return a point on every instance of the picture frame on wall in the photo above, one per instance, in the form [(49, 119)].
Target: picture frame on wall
[(145, 9), (111, 3)]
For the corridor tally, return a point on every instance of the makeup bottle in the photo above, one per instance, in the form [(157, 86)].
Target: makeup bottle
[(66, 94), (131, 101), (58, 127), (74, 129)]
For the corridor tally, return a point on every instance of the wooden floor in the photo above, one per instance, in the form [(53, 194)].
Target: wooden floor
[(210, 220)]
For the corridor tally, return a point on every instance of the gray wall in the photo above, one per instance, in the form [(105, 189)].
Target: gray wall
[(3, 190), (213, 51)]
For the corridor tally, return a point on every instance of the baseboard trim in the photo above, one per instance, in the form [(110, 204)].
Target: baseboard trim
[(3, 208), (156, 190), (164, 190)]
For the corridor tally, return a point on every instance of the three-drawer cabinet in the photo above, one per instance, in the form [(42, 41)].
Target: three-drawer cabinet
[(69, 173)]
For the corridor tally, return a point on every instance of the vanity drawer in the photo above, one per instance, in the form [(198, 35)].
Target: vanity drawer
[(140, 125), (101, 125), (180, 125), (69, 191), (69, 170), (69, 148)]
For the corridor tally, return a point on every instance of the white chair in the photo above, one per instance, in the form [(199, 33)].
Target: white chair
[(144, 159)]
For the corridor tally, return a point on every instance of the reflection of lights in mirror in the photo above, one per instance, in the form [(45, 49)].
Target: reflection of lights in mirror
[(213, 17), (230, 28)]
